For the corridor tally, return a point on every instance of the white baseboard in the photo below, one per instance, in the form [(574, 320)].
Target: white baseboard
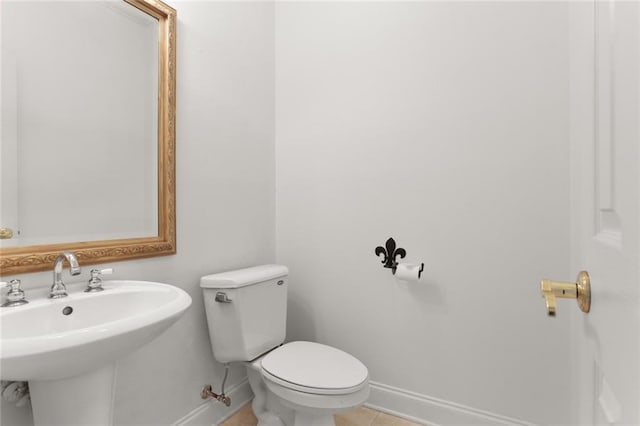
[(211, 413), (413, 406), (432, 411)]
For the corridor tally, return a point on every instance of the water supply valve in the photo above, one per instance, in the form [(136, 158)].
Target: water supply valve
[(207, 392)]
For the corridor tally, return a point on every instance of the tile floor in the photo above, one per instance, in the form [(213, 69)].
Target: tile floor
[(361, 416)]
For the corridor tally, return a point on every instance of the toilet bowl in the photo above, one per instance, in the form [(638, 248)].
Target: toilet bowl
[(296, 384), (311, 380)]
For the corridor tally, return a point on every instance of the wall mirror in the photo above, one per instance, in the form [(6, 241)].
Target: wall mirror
[(87, 147)]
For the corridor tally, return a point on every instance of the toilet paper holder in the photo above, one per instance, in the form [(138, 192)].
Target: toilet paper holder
[(390, 252)]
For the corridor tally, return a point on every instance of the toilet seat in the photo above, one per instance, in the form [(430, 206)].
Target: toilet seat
[(314, 368)]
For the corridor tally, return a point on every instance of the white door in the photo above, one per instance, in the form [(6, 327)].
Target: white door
[(605, 117)]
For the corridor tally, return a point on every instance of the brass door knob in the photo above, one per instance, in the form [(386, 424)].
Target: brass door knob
[(580, 290), (6, 233)]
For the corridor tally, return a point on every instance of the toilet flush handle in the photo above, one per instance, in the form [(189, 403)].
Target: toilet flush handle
[(221, 297)]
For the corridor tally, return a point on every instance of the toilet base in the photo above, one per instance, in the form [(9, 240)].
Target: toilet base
[(308, 419), (265, 405), (270, 411)]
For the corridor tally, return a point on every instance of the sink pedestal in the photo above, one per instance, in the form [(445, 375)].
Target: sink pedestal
[(81, 400)]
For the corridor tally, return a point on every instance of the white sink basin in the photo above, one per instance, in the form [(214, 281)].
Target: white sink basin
[(50, 339)]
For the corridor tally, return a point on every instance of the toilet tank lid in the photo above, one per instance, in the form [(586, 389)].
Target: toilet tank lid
[(244, 277)]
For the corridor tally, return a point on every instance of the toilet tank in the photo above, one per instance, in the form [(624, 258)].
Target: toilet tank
[(249, 318)]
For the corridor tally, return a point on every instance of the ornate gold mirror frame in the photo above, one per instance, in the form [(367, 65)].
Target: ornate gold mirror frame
[(16, 260)]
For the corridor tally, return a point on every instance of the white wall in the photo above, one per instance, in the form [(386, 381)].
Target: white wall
[(445, 126), (225, 202)]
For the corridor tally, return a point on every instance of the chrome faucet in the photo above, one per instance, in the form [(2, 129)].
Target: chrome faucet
[(58, 289)]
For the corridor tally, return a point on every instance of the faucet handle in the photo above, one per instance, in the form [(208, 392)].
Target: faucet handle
[(95, 283), (15, 295), (99, 272)]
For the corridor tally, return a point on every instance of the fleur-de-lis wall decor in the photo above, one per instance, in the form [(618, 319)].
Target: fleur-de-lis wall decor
[(390, 252)]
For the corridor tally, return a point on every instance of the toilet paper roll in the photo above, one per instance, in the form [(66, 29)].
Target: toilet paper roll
[(408, 271)]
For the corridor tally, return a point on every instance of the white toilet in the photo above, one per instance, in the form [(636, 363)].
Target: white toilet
[(299, 383)]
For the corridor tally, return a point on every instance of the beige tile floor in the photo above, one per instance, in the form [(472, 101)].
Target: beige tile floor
[(361, 416)]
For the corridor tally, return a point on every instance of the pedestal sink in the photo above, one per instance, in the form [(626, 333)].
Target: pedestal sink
[(68, 348)]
